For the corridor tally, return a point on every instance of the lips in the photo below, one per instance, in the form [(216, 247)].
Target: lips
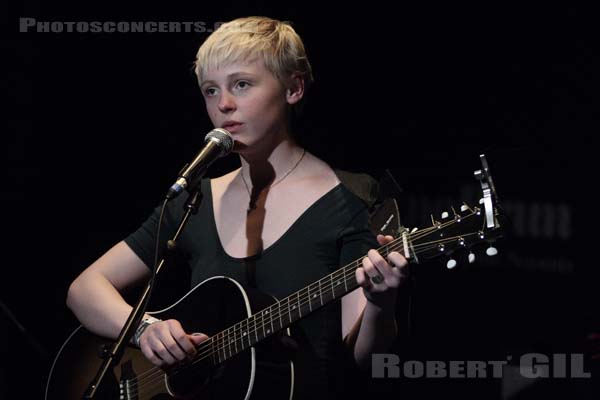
[(231, 126)]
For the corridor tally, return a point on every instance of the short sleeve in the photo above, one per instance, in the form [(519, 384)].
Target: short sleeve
[(143, 240), (356, 239)]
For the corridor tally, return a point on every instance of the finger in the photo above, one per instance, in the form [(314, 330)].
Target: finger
[(397, 260), (161, 351), (197, 338), (379, 263), (392, 276), (371, 271), (170, 343), (181, 337), (381, 239), (362, 279), (150, 355)]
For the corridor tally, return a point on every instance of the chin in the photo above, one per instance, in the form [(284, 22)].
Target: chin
[(239, 147)]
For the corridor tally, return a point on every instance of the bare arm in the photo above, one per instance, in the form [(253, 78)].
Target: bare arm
[(94, 296), (369, 326), (95, 299)]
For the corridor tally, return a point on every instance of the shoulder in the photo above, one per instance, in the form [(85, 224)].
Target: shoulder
[(221, 184), (318, 174), (362, 185), (226, 179)]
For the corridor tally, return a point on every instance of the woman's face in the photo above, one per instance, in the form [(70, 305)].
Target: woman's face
[(247, 100)]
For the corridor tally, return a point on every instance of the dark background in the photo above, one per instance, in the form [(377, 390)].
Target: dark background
[(97, 126)]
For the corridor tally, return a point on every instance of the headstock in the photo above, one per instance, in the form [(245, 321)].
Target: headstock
[(460, 229)]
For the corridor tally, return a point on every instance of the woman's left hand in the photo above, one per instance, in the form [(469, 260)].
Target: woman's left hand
[(380, 278)]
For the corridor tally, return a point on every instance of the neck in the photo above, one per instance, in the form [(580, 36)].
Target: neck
[(267, 166)]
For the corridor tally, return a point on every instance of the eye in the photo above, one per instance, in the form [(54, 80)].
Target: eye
[(242, 85), (210, 91)]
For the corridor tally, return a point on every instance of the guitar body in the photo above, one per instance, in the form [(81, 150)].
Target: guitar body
[(210, 307)]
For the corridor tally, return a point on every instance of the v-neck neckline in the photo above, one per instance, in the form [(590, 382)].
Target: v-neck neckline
[(314, 205)]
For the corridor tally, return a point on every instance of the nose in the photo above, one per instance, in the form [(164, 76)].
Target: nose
[(226, 102)]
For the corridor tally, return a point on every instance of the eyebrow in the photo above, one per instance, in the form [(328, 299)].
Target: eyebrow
[(230, 77)]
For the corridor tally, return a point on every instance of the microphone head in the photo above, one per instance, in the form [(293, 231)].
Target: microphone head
[(223, 139)]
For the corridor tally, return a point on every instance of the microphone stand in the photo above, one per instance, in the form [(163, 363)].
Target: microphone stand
[(112, 357)]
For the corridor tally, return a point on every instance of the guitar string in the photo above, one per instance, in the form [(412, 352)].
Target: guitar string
[(145, 386), (336, 275), (221, 340), (150, 382)]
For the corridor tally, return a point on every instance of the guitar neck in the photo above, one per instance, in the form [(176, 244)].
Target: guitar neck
[(461, 231), (285, 312)]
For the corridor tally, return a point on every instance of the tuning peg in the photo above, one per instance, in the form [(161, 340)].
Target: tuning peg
[(464, 207), (471, 257), (491, 251), (457, 216), (451, 263), (445, 215)]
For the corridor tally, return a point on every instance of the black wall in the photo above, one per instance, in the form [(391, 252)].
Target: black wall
[(98, 124)]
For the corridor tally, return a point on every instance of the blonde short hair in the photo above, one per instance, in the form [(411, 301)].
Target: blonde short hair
[(274, 42)]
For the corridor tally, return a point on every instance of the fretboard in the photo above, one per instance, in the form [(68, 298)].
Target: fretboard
[(285, 312), (458, 232)]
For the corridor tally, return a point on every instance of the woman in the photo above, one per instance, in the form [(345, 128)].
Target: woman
[(280, 222)]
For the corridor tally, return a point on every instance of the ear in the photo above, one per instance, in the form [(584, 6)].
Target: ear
[(295, 92)]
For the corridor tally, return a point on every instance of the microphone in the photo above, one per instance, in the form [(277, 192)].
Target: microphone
[(217, 143)]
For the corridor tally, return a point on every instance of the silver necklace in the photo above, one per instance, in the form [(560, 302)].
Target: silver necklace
[(252, 205)]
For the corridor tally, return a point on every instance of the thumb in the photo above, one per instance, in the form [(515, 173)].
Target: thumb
[(198, 338)]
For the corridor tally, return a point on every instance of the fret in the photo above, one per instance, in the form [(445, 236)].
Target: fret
[(235, 338), (326, 296), (228, 339), (224, 337), (221, 347), (217, 348), (280, 316), (313, 297), (271, 318), (293, 309), (255, 328), (246, 333), (268, 319), (212, 350), (262, 323), (332, 286), (338, 284), (344, 278), (299, 306), (320, 292), (289, 309), (309, 299)]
